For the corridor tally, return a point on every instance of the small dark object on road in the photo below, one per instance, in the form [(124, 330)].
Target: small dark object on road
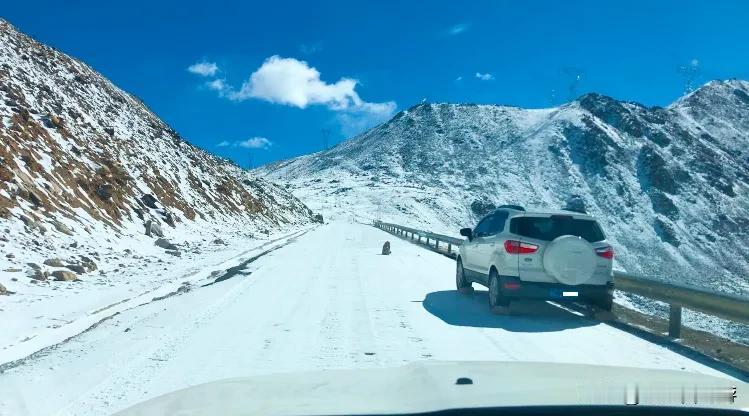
[(386, 248)]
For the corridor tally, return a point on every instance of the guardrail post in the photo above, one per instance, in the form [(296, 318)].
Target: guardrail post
[(674, 321), (449, 248), (427, 240), (436, 244)]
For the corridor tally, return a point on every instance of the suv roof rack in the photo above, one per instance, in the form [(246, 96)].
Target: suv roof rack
[(515, 207)]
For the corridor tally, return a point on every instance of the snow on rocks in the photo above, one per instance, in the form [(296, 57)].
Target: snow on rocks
[(62, 227), (64, 275), (54, 262), (153, 229), (38, 275), (165, 244)]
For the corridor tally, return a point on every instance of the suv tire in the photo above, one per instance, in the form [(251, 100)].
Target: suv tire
[(601, 308), (498, 303), (604, 303), (463, 285)]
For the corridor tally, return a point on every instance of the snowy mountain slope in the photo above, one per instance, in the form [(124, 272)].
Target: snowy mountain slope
[(79, 151), (86, 171), (669, 185)]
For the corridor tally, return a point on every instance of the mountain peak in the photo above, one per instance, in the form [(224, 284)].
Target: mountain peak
[(716, 92)]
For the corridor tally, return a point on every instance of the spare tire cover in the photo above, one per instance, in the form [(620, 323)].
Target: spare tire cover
[(570, 259)]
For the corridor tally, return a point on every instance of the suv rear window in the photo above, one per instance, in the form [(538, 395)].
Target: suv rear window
[(549, 228)]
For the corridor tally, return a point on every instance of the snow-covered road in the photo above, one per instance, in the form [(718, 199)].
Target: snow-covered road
[(327, 300)]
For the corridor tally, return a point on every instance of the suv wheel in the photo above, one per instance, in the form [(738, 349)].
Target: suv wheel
[(604, 303), (497, 301), (463, 285), (601, 308)]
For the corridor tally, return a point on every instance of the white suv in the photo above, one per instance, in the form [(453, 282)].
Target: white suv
[(550, 255)]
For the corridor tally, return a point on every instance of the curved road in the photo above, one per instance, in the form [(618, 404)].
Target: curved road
[(327, 300)]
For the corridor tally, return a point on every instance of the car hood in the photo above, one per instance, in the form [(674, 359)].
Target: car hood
[(434, 385)]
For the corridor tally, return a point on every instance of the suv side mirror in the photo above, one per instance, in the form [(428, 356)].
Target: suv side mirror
[(467, 232)]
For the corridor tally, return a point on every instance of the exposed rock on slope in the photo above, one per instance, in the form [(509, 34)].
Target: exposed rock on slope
[(669, 184)]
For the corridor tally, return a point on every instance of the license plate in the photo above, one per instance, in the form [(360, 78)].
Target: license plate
[(556, 293), (569, 294)]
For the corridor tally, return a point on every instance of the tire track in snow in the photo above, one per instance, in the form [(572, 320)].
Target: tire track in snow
[(125, 382)]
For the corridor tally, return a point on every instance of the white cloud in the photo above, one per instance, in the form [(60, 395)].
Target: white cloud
[(484, 77), (206, 69), (291, 82), (217, 85), (251, 143), (459, 78), (255, 143), (458, 29)]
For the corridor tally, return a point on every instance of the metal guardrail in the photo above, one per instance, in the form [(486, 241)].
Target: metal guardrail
[(448, 248), (722, 305)]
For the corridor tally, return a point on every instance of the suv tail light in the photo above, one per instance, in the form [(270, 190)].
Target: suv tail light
[(516, 247), (605, 252)]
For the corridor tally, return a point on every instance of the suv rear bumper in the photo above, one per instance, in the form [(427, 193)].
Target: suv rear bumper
[(514, 288)]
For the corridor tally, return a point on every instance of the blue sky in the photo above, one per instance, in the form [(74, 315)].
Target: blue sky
[(277, 74)]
